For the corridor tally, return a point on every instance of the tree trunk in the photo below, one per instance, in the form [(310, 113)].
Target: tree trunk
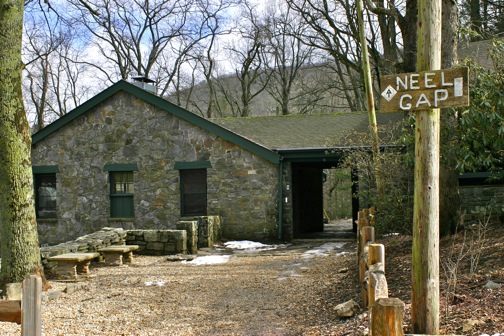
[(408, 25), (19, 239), (449, 196)]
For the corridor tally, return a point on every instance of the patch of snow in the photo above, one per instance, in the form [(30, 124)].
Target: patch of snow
[(154, 283), (209, 260), (250, 246), (323, 250)]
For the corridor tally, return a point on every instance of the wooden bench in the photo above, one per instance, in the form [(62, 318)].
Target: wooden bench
[(116, 255), (70, 265)]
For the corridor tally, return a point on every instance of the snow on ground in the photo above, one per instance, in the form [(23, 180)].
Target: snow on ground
[(323, 250), (250, 246), (209, 260), (247, 246)]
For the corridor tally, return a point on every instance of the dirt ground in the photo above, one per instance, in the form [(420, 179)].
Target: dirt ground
[(291, 290)]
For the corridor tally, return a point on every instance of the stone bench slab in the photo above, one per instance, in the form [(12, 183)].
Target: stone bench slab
[(119, 248), (70, 265), (75, 257), (116, 255)]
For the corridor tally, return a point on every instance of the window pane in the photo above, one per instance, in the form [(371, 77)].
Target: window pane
[(45, 195), (121, 206), (194, 192), (121, 183)]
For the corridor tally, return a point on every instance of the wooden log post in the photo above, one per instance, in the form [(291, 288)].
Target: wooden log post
[(377, 254), (377, 282), (31, 307), (361, 222), (371, 216), (425, 250), (387, 317), (367, 236)]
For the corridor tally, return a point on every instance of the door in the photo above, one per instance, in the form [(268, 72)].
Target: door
[(307, 199)]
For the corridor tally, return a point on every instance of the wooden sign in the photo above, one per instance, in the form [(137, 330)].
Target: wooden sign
[(425, 90)]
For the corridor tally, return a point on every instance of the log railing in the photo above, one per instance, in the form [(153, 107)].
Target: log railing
[(385, 314)]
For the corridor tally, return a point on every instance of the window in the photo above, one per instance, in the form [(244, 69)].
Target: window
[(45, 195), (121, 194), (121, 181), (193, 190)]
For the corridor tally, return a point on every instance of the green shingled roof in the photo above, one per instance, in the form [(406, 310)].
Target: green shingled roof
[(303, 130)]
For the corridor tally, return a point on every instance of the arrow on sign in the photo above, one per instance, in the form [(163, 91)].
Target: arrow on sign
[(389, 93)]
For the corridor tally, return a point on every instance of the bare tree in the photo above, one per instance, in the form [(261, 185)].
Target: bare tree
[(56, 77), (200, 64), (250, 58), (288, 55), (333, 29), (149, 38), (484, 17)]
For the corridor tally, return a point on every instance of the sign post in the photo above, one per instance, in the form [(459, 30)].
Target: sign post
[(426, 92)]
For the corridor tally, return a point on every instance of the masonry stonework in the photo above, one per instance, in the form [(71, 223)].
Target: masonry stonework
[(482, 202), (241, 186)]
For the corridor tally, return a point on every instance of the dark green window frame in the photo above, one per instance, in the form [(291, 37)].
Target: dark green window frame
[(122, 189), (44, 182), (45, 195), (193, 187)]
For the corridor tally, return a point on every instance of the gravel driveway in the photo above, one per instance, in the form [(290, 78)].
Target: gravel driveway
[(290, 290)]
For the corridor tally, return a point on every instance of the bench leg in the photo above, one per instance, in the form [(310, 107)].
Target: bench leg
[(83, 267), (66, 270), (128, 257), (113, 258)]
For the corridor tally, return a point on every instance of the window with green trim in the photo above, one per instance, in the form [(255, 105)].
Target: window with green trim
[(121, 194), (45, 195), (193, 189)]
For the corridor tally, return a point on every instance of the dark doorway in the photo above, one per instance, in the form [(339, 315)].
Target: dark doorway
[(307, 199)]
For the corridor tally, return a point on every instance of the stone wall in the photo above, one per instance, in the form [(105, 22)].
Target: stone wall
[(150, 242), (158, 242), (87, 243), (241, 186), (478, 202)]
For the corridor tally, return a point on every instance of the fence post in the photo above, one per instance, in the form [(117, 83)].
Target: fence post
[(361, 222), (387, 317), (31, 307), (367, 236), (377, 283)]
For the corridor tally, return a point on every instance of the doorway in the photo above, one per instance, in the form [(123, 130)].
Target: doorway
[(307, 199), (313, 209)]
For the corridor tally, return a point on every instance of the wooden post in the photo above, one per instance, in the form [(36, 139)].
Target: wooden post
[(377, 282), (377, 254), (387, 317), (425, 251), (31, 312), (367, 236), (361, 223)]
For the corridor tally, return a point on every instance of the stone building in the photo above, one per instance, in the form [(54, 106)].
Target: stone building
[(128, 158)]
